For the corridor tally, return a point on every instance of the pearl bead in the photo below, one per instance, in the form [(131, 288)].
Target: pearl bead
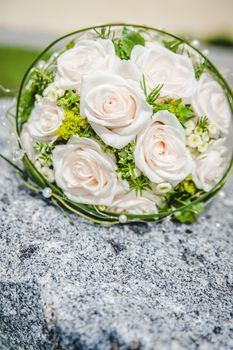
[(18, 155), (222, 194), (205, 52), (123, 219), (47, 192), (195, 43)]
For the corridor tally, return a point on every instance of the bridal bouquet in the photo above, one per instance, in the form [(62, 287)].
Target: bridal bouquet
[(124, 123)]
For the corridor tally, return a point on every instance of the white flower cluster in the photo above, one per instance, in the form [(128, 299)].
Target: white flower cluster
[(113, 102)]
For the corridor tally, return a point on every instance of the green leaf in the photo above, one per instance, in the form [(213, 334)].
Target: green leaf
[(70, 101), (127, 168), (40, 79), (190, 214), (199, 69), (154, 95), (45, 152), (22, 172), (182, 195), (103, 32), (140, 184), (172, 44), (203, 124), (70, 44), (143, 85), (125, 44), (182, 112), (33, 173)]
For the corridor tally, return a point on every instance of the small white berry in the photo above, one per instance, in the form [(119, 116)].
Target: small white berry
[(194, 140), (203, 147), (163, 187), (205, 136), (198, 130), (190, 125)]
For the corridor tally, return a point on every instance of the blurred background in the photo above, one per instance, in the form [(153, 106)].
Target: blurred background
[(26, 26)]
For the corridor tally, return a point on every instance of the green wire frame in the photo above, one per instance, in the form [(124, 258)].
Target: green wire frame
[(91, 212)]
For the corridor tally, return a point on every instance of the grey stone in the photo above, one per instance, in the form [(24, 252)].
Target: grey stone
[(77, 285), (70, 284)]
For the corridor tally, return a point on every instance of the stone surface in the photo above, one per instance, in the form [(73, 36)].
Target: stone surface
[(73, 285), (77, 285)]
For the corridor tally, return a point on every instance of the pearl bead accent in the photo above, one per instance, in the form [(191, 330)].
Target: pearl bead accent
[(123, 219), (205, 52), (47, 192), (195, 43)]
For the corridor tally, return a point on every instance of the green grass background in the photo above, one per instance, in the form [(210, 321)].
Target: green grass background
[(13, 64)]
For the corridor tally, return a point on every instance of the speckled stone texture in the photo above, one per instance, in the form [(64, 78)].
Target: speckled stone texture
[(78, 286)]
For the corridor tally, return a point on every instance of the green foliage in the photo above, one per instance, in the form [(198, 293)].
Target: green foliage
[(187, 186), (182, 112), (104, 32), (40, 79), (189, 215), (74, 124), (70, 44), (125, 161), (70, 101), (183, 194), (45, 152), (143, 85), (127, 168), (203, 124), (126, 42), (199, 69), (172, 44), (154, 95), (140, 184)]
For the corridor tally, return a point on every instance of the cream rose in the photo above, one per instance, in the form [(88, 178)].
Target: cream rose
[(161, 66), (210, 100), (130, 203), (85, 173), (211, 166), (160, 151), (115, 107), (85, 57), (45, 120)]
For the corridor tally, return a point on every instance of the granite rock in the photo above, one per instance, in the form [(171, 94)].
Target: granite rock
[(73, 285)]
